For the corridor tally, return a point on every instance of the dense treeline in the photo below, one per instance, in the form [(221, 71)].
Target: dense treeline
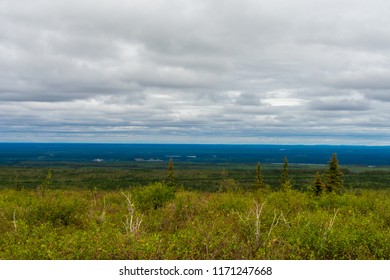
[(202, 177)]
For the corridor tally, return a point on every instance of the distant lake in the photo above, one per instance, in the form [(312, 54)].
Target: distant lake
[(14, 153)]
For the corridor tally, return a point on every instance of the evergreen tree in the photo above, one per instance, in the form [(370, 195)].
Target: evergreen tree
[(171, 179), (285, 180), (259, 184), (319, 185), (335, 180)]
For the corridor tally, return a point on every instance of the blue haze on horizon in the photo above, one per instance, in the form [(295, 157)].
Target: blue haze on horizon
[(21, 153)]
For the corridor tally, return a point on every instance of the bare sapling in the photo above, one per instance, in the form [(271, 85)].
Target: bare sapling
[(133, 222)]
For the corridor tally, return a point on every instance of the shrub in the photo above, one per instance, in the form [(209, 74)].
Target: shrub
[(58, 211), (229, 185), (153, 196)]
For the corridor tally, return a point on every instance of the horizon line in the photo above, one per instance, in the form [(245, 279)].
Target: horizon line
[(187, 143)]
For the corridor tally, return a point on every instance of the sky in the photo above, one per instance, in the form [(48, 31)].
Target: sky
[(195, 71)]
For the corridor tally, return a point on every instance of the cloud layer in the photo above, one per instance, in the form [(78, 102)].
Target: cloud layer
[(309, 71)]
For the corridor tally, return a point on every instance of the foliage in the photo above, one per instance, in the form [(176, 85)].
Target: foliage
[(319, 186), (199, 177), (171, 178), (285, 180), (335, 181), (227, 184), (259, 184), (153, 196), (46, 183), (83, 224), (158, 221)]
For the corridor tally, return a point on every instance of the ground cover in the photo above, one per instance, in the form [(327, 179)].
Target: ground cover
[(158, 222)]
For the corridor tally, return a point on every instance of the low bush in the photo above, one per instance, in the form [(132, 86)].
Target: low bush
[(153, 196)]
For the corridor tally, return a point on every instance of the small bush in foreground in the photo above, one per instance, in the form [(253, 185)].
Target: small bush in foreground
[(153, 196)]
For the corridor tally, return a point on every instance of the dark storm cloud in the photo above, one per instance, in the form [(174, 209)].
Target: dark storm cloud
[(208, 71)]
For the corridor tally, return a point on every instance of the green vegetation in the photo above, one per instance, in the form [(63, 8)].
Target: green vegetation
[(285, 180), (85, 224), (210, 212), (259, 184), (335, 182), (319, 186), (171, 178)]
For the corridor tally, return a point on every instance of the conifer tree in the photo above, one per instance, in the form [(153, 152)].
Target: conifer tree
[(335, 180), (319, 185), (260, 184), (285, 180), (171, 179)]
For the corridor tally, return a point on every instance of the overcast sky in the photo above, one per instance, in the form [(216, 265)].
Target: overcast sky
[(196, 71)]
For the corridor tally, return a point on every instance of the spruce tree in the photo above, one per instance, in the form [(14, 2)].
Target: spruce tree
[(259, 184), (335, 180), (285, 180), (319, 185), (171, 179)]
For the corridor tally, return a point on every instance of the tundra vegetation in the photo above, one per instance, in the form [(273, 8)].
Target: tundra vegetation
[(195, 212)]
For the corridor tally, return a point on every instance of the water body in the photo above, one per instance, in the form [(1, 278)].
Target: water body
[(14, 153)]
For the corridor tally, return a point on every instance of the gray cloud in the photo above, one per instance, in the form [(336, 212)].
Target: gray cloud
[(195, 71), (380, 95), (343, 102)]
